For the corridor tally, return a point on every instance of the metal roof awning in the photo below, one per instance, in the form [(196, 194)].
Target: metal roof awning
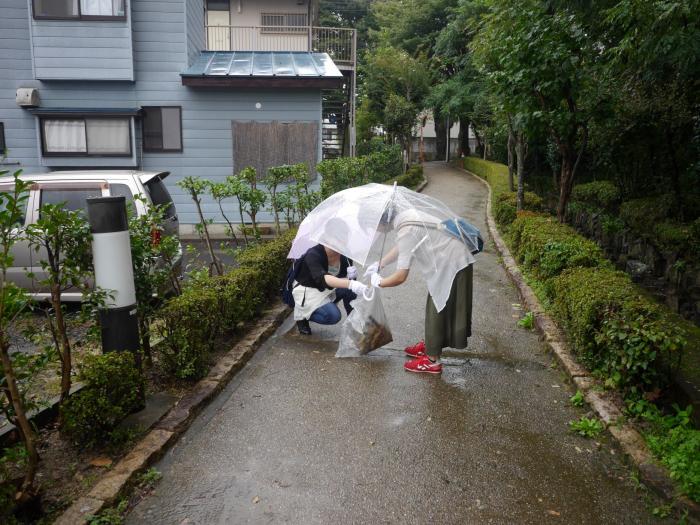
[(260, 69), (86, 112)]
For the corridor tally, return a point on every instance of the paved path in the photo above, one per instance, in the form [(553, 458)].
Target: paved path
[(302, 437)]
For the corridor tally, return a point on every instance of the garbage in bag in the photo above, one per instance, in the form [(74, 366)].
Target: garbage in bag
[(366, 328)]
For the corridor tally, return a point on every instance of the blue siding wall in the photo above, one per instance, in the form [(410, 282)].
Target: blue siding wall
[(165, 39), (82, 50)]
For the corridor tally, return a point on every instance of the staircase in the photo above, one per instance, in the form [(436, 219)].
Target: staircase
[(336, 119)]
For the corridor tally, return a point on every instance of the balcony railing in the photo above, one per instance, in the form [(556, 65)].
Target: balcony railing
[(338, 42)]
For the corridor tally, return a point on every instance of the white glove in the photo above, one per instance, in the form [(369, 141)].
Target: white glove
[(352, 272), (357, 287), (376, 280), (372, 268)]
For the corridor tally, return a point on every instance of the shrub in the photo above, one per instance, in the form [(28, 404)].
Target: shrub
[(505, 206), (675, 238), (212, 306), (411, 179), (643, 214), (496, 174), (620, 334), (599, 194), (547, 247), (270, 259), (385, 163), (345, 172), (111, 392), (189, 325)]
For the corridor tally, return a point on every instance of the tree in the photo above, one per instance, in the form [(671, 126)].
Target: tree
[(252, 198), (400, 116), (543, 67), (12, 302), (61, 238), (196, 187), (220, 191)]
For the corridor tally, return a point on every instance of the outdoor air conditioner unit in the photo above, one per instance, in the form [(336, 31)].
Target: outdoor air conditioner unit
[(27, 97)]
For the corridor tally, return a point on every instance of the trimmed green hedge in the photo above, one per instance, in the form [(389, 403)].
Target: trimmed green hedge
[(505, 206), (495, 173), (622, 335), (210, 307), (547, 248), (347, 172)]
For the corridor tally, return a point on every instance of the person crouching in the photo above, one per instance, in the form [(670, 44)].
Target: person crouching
[(325, 278)]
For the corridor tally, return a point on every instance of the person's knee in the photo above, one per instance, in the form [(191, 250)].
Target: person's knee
[(334, 315)]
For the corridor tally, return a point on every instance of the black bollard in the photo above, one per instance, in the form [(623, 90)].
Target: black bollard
[(114, 272)]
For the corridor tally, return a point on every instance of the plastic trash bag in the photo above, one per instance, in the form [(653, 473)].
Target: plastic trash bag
[(366, 328)]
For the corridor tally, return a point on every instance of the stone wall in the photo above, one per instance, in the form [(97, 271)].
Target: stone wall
[(673, 281)]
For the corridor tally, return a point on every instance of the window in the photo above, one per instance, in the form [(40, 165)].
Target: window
[(3, 146), (218, 5), (85, 137), (283, 22), (162, 129), (72, 199), (123, 190), (80, 9)]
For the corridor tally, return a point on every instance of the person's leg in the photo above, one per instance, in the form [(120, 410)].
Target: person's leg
[(346, 295), (436, 326), (327, 314)]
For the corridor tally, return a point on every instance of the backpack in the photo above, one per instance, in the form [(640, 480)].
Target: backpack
[(460, 229), (288, 283)]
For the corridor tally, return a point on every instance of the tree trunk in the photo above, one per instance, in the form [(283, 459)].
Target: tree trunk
[(565, 185), (240, 211), (464, 137), (145, 329), (480, 150), (214, 261), (675, 176), (230, 226), (520, 155), (25, 428), (275, 211), (65, 350), (511, 159), (440, 137)]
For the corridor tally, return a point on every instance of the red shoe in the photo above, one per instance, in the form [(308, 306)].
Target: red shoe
[(423, 365), (415, 350)]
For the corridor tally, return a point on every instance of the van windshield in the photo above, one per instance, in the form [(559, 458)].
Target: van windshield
[(3, 204), (159, 195)]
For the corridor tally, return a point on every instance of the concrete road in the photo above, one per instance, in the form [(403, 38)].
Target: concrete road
[(301, 437)]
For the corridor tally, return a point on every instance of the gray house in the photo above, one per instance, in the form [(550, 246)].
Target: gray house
[(193, 87)]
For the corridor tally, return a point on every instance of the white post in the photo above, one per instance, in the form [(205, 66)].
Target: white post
[(447, 146)]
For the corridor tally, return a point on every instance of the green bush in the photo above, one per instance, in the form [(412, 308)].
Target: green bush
[(411, 179), (505, 206), (619, 333), (346, 172), (385, 163), (643, 214), (213, 306), (496, 174), (270, 259), (112, 386), (189, 325), (599, 194), (547, 247)]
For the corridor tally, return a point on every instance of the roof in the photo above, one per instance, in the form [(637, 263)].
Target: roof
[(83, 112), (297, 69), (88, 174)]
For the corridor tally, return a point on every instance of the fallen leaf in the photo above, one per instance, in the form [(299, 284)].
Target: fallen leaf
[(578, 450), (518, 371), (101, 462), (553, 513), (256, 500), (371, 443)]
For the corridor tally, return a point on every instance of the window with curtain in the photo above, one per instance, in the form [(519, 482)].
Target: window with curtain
[(62, 9), (86, 137), (162, 129)]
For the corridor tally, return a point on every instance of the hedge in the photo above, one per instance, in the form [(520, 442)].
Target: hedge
[(598, 194), (505, 206), (495, 173), (547, 248), (210, 307), (347, 172), (411, 179)]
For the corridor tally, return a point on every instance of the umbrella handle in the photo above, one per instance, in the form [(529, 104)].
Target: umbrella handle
[(369, 297)]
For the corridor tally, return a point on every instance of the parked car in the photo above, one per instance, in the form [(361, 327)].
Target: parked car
[(74, 188)]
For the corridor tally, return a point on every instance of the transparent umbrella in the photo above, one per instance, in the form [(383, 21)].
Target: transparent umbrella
[(365, 222)]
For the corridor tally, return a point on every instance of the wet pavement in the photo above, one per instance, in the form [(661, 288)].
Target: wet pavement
[(302, 437)]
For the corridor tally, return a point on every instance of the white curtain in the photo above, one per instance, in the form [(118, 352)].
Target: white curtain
[(65, 136), (102, 7), (108, 136)]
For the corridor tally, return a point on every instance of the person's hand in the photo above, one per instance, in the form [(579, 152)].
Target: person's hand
[(372, 268), (352, 272), (357, 287), (376, 280)]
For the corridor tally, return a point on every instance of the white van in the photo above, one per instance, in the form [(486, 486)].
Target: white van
[(73, 188)]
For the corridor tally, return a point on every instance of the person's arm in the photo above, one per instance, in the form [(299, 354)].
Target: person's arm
[(390, 257), (395, 279), (336, 282)]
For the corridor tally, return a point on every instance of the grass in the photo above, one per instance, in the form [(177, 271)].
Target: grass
[(528, 321), (587, 427), (577, 399)]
